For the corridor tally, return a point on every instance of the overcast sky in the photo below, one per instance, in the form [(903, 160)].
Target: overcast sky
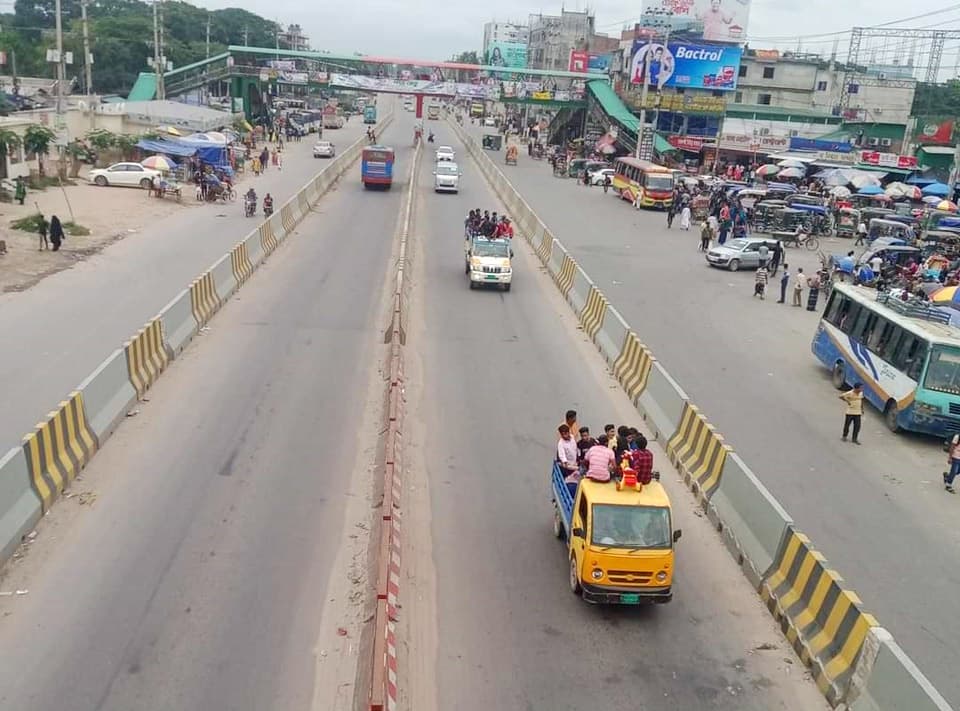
[(436, 29)]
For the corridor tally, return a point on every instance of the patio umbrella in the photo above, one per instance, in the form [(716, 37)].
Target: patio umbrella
[(791, 163), (870, 190), (768, 170), (862, 179), (792, 173), (945, 295), (947, 205), (159, 162), (931, 200), (920, 180), (840, 191), (216, 137), (938, 189)]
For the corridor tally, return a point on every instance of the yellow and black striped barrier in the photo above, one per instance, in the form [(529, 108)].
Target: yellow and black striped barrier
[(287, 219), (240, 261), (545, 250), (632, 367), (564, 277), (203, 298), (594, 311), (146, 356), (698, 452), (303, 202), (58, 449), (268, 240), (822, 620)]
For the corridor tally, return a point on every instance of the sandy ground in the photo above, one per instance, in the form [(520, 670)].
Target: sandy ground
[(109, 213)]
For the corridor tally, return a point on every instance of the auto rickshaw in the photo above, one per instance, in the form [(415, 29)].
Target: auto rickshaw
[(763, 214), (511, 156), (560, 166), (576, 167), (848, 220), (945, 242), (870, 213), (879, 227), (941, 219), (819, 217), (492, 141)]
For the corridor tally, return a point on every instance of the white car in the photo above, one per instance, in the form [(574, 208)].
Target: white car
[(127, 175), (489, 121), (598, 177), (324, 149), (446, 177), (446, 154)]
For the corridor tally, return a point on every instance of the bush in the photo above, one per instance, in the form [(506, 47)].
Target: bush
[(31, 223)]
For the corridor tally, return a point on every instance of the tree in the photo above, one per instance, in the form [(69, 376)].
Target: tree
[(470, 57), (9, 141), (37, 139)]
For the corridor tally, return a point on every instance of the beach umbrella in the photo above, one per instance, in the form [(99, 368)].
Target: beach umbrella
[(861, 179), (791, 163), (870, 190), (931, 200), (159, 162), (792, 173), (947, 206), (938, 189), (945, 295), (933, 287), (840, 191), (768, 170)]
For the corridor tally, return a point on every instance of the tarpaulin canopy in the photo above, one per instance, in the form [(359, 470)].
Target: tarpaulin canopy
[(170, 148)]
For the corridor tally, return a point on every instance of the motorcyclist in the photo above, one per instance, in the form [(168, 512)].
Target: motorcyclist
[(267, 205), (250, 201), (430, 137)]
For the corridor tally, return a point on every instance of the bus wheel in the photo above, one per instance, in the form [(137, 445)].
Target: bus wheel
[(890, 416), (838, 377), (574, 576)]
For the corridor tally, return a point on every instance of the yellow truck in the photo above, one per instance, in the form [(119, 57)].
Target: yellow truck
[(619, 539)]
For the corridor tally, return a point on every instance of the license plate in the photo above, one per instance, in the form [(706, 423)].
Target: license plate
[(630, 599), (491, 277)]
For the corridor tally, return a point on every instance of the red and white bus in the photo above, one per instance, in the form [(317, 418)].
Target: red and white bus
[(643, 183)]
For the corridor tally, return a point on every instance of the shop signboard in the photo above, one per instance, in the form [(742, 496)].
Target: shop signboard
[(688, 103), (685, 65), (512, 55), (748, 143), (888, 160)]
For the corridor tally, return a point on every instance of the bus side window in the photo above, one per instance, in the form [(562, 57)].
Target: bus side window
[(888, 348), (916, 365), (835, 307), (908, 355), (848, 319), (863, 329), (879, 337)]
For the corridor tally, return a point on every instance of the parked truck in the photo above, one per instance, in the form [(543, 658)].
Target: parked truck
[(370, 114), (619, 538), (332, 118)]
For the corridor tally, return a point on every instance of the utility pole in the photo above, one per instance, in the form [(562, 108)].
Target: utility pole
[(246, 36), (643, 96), (156, 49), (276, 36), (60, 72), (87, 69), (162, 94), (13, 71), (208, 35)]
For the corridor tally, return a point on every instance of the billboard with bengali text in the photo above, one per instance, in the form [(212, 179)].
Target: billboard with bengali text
[(685, 65), (708, 20), (512, 55)]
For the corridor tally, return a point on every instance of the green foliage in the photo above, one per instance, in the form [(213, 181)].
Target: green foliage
[(101, 139), (31, 223), (75, 230), (121, 34), (37, 138), (467, 58), (126, 144), (937, 99)]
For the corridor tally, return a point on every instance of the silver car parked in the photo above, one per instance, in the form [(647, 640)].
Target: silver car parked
[(739, 253)]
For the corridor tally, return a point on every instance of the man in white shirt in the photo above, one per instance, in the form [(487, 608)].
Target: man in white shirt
[(876, 263), (861, 233), (567, 452)]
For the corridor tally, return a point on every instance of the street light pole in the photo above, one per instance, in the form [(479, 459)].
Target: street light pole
[(87, 70), (60, 72)]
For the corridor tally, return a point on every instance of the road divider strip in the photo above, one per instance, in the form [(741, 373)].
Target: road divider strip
[(854, 661), (34, 474)]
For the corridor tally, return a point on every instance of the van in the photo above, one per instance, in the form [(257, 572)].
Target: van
[(446, 177)]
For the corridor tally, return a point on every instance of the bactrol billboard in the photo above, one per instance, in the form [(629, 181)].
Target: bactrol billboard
[(687, 66), (709, 20), (506, 54)]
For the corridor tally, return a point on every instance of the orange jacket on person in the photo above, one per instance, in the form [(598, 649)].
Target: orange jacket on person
[(505, 230)]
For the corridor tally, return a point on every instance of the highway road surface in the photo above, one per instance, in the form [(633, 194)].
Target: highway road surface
[(204, 565), (488, 618), (878, 512), (58, 331)]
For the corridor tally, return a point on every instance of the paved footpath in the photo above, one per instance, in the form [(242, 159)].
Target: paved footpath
[(878, 512), (55, 333)]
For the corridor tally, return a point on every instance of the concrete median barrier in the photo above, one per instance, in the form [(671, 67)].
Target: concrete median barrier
[(885, 678), (662, 403), (204, 299), (610, 337), (544, 246), (108, 394), (633, 365), (579, 292), (58, 448), (254, 248), (822, 620), (20, 508), (224, 280), (287, 219), (179, 323), (751, 521), (594, 311), (698, 452), (240, 263), (146, 356), (268, 234), (564, 276)]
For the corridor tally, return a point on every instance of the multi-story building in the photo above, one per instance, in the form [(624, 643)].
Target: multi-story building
[(294, 39), (553, 37), (504, 32)]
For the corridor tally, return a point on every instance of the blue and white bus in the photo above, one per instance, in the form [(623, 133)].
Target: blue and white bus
[(906, 356)]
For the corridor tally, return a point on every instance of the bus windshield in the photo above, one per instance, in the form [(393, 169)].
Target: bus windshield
[(659, 181), (943, 370), (631, 526)]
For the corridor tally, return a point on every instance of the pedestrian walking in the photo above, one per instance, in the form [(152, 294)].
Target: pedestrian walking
[(814, 293), (861, 233), (671, 213), (763, 252), (42, 232), (273, 156), (760, 282), (279, 161), (784, 280), (56, 233), (854, 412), (685, 218), (705, 236), (21, 192), (777, 256), (953, 463), (798, 285)]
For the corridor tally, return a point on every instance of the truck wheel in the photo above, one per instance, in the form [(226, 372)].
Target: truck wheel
[(473, 285), (506, 287), (574, 577), (557, 525)]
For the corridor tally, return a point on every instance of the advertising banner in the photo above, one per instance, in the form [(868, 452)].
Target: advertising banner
[(818, 144), (753, 144), (709, 20), (578, 61), (360, 82), (684, 65), (506, 54), (688, 103), (589, 63), (888, 160), (937, 132), (694, 144)]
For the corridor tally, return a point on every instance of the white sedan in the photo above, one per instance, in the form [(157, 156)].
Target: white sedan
[(446, 154), (598, 177), (324, 149), (128, 175)]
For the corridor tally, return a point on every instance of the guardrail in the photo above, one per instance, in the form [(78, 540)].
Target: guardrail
[(34, 474), (855, 662)]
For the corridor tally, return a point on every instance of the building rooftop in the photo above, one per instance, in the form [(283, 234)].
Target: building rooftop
[(170, 113)]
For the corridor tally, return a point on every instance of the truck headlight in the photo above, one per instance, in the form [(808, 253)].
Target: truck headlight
[(926, 409), (596, 574), (661, 576)]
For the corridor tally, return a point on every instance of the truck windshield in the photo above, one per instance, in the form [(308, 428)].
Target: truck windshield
[(631, 526), (943, 370), (482, 248)]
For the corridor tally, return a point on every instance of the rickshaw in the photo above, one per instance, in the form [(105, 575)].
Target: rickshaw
[(786, 221), (940, 219), (945, 242), (848, 220), (879, 227), (511, 155), (492, 141), (870, 213), (576, 167), (763, 214), (560, 166), (819, 217), (700, 206)]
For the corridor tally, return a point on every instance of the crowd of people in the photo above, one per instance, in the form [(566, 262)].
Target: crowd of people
[(487, 224), (581, 455)]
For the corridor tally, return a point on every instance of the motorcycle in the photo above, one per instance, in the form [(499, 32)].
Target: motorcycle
[(267, 209), (249, 207), (430, 138)]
